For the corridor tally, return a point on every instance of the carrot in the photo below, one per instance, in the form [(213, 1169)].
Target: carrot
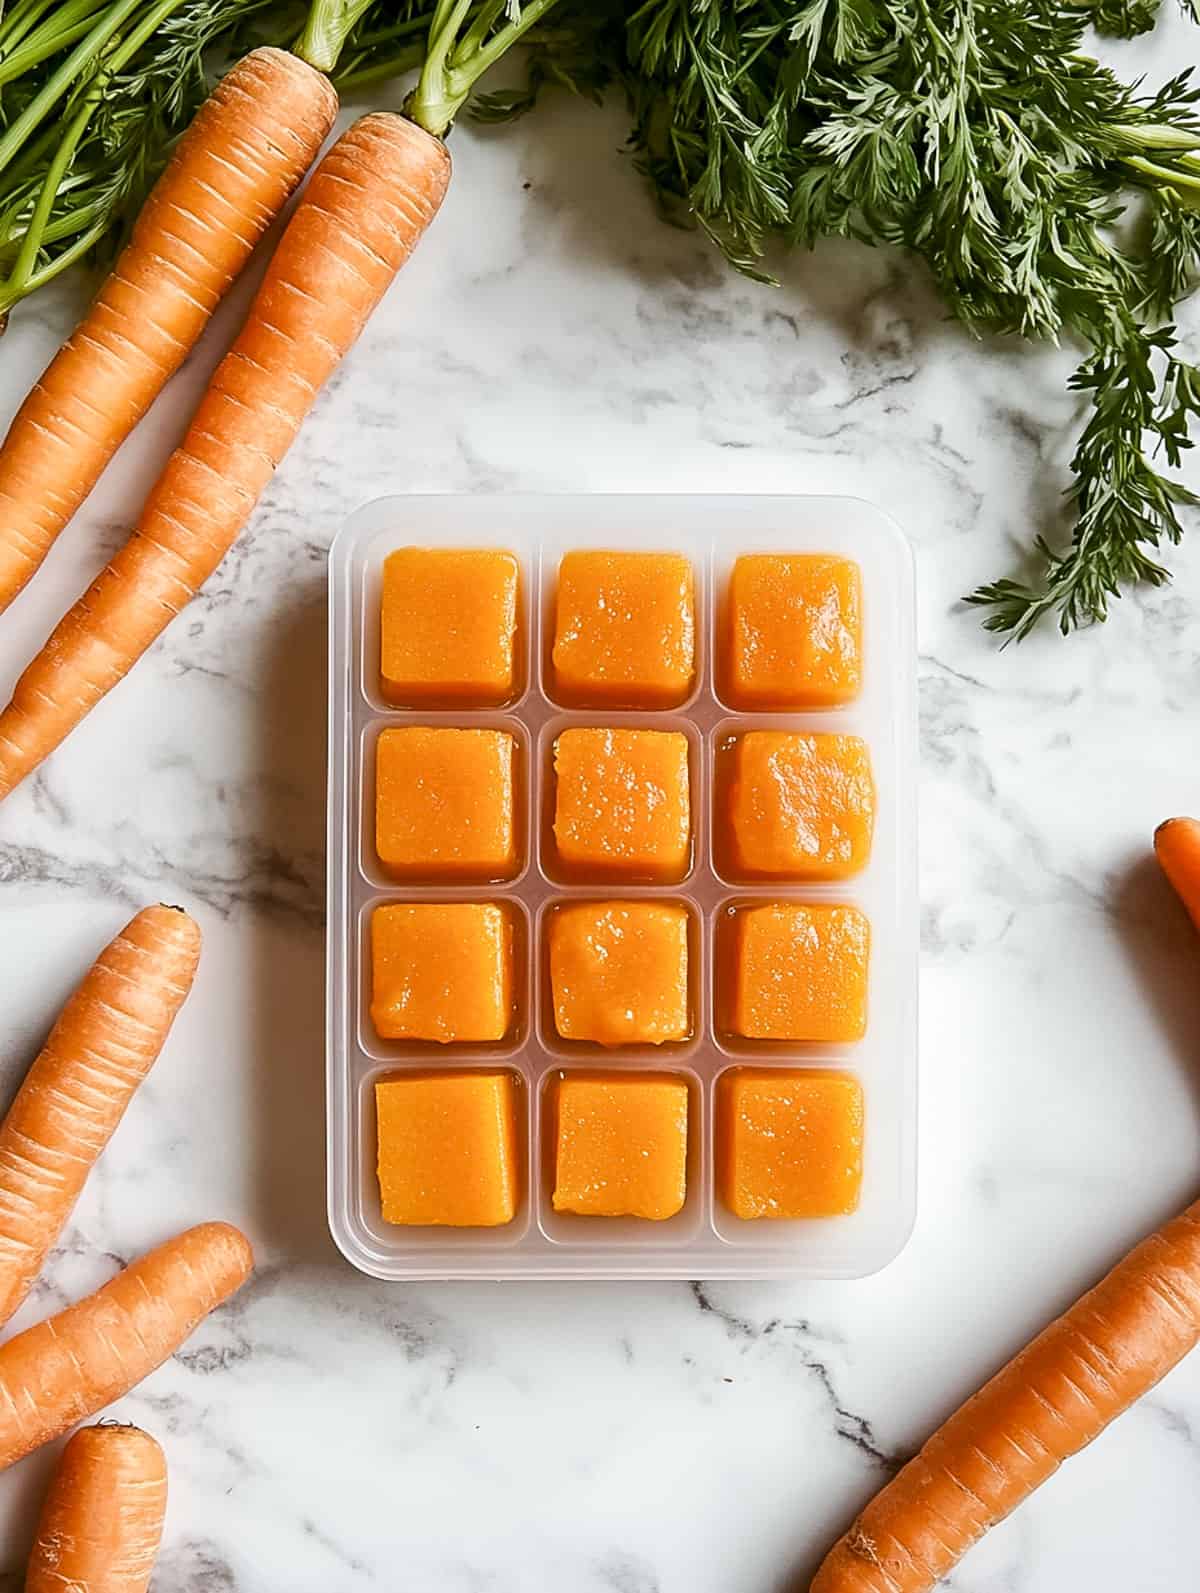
[(103, 1045), (232, 173), (1177, 844), (1059, 1393), (67, 1368), (367, 205), (101, 1523)]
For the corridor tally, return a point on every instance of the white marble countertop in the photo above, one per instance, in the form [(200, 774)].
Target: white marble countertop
[(329, 1433)]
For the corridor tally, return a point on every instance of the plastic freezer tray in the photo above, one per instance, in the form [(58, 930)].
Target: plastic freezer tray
[(703, 1240)]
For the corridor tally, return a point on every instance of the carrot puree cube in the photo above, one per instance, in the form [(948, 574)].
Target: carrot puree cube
[(449, 625), (622, 803), (789, 1143), (442, 971), (619, 972), (794, 631), (444, 805), (621, 1145), (800, 972), (800, 806), (625, 629), (448, 1149)]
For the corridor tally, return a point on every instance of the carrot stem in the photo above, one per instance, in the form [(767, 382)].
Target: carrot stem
[(61, 80), (21, 277), (55, 35), (31, 244), (63, 226), (61, 262), (24, 16), (326, 31), (453, 66)]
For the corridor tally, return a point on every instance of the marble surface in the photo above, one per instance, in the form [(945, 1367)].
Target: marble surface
[(330, 1433)]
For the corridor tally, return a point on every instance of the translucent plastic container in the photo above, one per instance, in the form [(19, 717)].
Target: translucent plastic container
[(703, 1240)]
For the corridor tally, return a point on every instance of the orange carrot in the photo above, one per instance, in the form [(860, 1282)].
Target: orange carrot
[(367, 205), (232, 173), (101, 1523), (103, 1045), (71, 1366), (1056, 1396), (1177, 844)]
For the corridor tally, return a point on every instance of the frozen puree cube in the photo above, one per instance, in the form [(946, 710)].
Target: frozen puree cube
[(794, 631), (800, 972), (449, 625), (622, 1145), (789, 1143), (625, 629), (619, 972), (622, 805), (448, 1151), (444, 803), (800, 806), (442, 971)]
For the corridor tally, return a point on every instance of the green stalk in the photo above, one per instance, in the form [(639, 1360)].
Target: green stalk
[(17, 24), (1154, 135), (486, 18), (25, 276), (1186, 186), (35, 232), (47, 41), (48, 272), (453, 67), (84, 54), (325, 33), (61, 227)]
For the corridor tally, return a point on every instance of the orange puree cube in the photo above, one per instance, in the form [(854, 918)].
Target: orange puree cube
[(622, 804), (622, 1145), (442, 971), (800, 972), (625, 629), (800, 806), (449, 625), (619, 972), (444, 803), (789, 1143), (794, 631), (448, 1149)]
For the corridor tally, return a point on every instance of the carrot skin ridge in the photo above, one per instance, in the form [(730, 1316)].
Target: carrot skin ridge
[(101, 1523), (230, 176), (366, 207), (71, 1366), (1051, 1400), (106, 1040), (1177, 847)]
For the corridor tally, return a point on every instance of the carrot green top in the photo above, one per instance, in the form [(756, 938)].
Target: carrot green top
[(465, 38)]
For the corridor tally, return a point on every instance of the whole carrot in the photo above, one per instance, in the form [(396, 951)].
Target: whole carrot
[(71, 1366), (1177, 845), (102, 1520), (106, 1040), (1059, 1393), (366, 207), (233, 171)]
